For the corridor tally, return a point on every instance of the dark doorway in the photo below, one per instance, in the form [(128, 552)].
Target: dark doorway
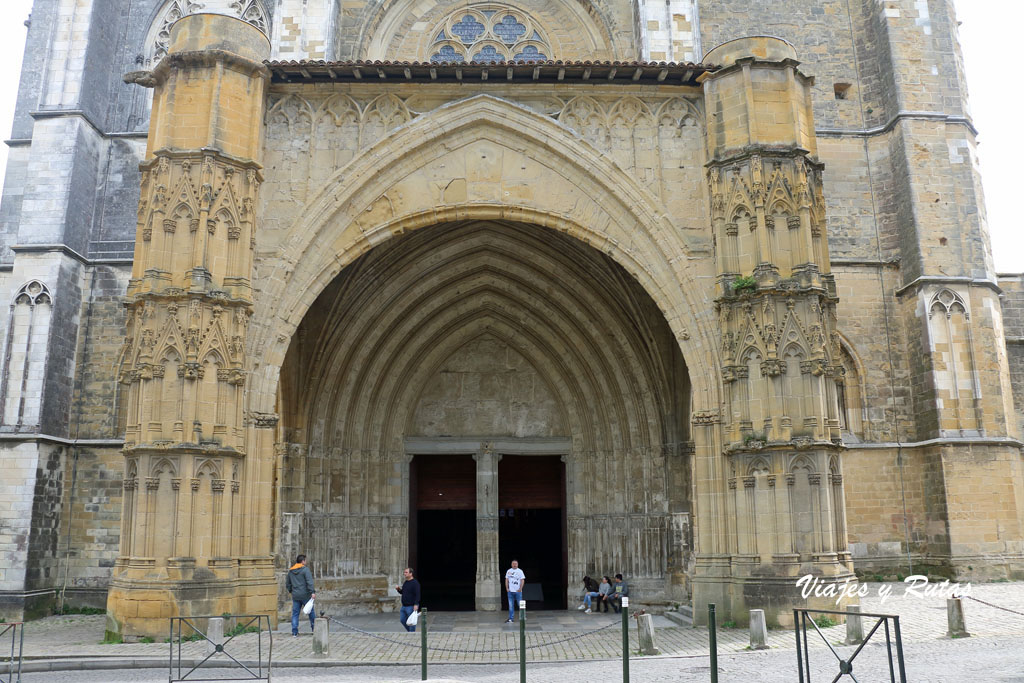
[(531, 526), (442, 533)]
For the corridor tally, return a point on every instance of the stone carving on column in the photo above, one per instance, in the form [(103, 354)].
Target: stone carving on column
[(488, 563), (776, 303), (189, 302)]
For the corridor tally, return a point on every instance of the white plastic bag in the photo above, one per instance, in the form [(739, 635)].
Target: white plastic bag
[(412, 619), (308, 607)]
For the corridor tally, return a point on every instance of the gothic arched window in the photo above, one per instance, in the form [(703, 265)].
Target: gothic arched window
[(488, 34), (25, 362)]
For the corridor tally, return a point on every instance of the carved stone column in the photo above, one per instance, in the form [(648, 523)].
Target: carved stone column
[(776, 303), (488, 563), (189, 302)]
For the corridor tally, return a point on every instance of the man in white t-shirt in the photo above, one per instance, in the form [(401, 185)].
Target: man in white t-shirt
[(515, 579)]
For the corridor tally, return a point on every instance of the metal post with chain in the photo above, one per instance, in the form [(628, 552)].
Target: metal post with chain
[(522, 641), (713, 642), (423, 643), (625, 639)]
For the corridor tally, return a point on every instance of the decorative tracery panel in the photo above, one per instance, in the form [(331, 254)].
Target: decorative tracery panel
[(159, 38), (489, 34)]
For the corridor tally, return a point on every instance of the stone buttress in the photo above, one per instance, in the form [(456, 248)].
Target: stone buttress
[(780, 512), (195, 538)]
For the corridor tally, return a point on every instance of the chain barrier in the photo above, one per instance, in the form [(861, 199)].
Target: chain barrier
[(1005, 609), (368, 633), (457, 650), (576, 636)]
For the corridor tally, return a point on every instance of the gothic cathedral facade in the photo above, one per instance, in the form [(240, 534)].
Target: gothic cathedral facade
[(698, 291)]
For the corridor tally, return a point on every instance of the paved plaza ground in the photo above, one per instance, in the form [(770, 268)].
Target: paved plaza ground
[(565, 646)]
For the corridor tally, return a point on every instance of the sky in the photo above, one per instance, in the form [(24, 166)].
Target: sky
[(989, 34)]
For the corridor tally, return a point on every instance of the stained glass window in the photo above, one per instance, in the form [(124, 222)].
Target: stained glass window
[(509, 29), (488, 33), (447, 53), (468, 29), (489, 55), (530, 53)]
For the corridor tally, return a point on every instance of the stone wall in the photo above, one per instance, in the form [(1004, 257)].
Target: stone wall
[(90, 537), (671, 31), (30, 502), (1013, 318), (311, 134), (905, 225), (374, 29)]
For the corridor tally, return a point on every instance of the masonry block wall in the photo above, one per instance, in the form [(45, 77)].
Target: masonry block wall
[(1013, 317), (930, 399)]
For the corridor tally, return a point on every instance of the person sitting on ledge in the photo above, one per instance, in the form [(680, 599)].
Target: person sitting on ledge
[(621, 591), (590, 590), (605, 592)]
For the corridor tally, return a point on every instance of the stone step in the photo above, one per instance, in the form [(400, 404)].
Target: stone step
[(683, 616)]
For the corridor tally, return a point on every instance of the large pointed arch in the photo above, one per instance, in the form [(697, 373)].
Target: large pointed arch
[(442, 167)]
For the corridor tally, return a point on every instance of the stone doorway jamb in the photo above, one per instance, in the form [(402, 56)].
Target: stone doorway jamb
[(487, 452)]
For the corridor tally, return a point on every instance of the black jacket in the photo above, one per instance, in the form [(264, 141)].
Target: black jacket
[(300, 583), (410, 591)]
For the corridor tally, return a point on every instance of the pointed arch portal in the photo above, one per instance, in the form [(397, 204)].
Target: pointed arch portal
[(434, 378), (472, 302)]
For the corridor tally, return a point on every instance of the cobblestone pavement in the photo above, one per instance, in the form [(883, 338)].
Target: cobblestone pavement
[(967, 660), (553, 636)]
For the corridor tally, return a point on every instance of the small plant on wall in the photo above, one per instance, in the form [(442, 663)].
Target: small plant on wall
[(746, 282)]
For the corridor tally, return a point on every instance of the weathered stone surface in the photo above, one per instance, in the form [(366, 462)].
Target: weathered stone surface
[(214, 634), (645, 634), (854, 625), (955, 617), (321, 638), (322, 266), (758, 630)]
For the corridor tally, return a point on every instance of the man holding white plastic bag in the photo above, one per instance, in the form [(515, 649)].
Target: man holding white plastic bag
[(300, 584), (410, 592)]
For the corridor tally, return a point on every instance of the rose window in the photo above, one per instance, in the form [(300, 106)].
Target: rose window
[(488, 34)]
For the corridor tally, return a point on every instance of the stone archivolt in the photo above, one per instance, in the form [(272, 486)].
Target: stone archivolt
[(406, 182), (488, 328)]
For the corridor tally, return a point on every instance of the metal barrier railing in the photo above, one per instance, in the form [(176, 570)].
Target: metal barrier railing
[(800, 620), (244, 622), (16, 631)]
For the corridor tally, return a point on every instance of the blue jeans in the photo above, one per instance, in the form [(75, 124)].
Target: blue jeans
[(588, 596), (513, 601), (296, 611), (403, 614)]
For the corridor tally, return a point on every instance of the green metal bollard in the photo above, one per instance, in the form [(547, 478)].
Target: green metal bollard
[(713, 638), (625, 639), (423, 643), (522, 641)]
